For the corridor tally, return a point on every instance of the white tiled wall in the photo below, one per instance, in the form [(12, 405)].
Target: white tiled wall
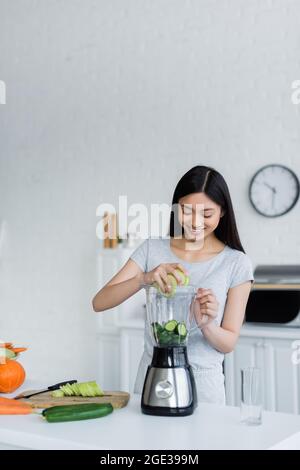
[(122, 97)]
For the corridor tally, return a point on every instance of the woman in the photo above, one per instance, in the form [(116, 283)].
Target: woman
[(203, 243)]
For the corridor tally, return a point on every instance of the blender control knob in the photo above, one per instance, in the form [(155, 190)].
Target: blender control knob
[(164, 389)]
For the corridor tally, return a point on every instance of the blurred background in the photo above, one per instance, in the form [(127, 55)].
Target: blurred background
[(108, 98)]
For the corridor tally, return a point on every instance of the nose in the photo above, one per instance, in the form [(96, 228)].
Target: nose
[(197, 222)]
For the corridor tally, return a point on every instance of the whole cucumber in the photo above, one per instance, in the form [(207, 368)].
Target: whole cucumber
[(57, 414)]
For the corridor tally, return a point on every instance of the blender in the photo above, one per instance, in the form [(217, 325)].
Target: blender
[(169, 387)]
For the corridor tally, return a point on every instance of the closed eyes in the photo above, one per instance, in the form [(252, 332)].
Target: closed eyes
[(190, 213)]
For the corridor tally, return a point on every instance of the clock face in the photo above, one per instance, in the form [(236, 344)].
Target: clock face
[(274, 190)]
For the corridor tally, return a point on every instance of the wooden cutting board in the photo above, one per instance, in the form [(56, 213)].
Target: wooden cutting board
[(45, 400)]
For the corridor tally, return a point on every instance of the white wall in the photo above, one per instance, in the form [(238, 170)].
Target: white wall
[(122, 97)]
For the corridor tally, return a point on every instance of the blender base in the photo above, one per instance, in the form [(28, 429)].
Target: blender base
[(163, 411), (169, 387)]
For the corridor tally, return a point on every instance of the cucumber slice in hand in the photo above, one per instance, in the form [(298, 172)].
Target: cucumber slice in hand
[(185, 279), (172, 281)]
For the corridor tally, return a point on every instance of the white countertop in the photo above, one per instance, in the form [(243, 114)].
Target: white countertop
[(210, 427)]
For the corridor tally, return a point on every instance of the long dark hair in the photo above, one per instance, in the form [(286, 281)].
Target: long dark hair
[(203, 179)]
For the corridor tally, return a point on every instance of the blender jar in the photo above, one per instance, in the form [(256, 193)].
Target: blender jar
[(170, 319)]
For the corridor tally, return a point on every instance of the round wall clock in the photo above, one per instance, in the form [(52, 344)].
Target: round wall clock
[(274, 190)]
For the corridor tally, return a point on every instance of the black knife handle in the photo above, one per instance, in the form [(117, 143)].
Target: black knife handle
[(56, 386)]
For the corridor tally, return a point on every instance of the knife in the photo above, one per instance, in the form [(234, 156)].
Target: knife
[(52, 387)]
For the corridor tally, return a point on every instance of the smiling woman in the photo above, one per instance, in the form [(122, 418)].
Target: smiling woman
[(204, 244), (198, 217)]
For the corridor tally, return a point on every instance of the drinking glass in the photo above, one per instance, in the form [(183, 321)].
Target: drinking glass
[(251, 396)]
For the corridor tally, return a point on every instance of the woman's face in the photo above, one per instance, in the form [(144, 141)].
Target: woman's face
[(198, 215)]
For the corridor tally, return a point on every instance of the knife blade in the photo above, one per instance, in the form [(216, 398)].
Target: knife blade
[(51, 387)]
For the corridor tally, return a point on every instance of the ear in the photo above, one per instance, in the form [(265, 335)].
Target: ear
[(222, 212)]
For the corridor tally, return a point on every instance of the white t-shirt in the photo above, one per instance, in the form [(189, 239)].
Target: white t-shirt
[(227, 269)]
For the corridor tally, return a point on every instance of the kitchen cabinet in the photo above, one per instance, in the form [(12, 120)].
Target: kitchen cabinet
[(108, 373), (131, 345), (270, 349)]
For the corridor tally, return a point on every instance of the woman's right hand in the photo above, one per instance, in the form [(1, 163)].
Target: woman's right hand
[(160, 275)]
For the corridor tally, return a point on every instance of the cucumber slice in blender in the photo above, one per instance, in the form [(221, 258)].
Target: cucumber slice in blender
[(171, 325), (157, 330), (181, 330), (176, 340), (165, 338), (157, 327)]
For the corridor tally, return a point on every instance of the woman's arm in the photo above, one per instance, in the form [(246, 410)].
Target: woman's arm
[(224, 337), (123, 285), (130, 279)]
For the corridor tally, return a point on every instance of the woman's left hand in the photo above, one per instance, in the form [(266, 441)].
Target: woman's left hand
[(205, 307)]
